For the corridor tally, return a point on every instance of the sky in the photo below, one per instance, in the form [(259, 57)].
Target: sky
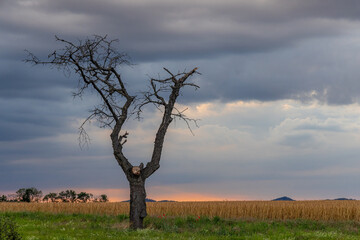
[(278, 101)]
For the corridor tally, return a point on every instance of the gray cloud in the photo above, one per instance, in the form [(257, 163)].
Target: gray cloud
[(163, 29), (265, 51), (245, 42)]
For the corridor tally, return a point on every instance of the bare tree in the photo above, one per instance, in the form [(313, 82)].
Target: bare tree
[(97, 62)]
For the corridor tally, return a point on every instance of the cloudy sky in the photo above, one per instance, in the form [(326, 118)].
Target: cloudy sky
[(278, 103)]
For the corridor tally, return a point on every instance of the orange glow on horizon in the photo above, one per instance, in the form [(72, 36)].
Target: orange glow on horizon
[(157, 193), (188, 197)]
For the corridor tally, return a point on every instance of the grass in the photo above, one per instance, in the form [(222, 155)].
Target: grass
[(49, 226)]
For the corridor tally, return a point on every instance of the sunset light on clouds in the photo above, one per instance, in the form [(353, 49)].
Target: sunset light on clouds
[(278, 104)]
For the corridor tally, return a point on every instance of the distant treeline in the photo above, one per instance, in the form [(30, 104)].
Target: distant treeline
[(35, 195)]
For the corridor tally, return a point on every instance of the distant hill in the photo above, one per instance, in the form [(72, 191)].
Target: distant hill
[(149, 200), (344, 199), (166, 201), (283, 199)]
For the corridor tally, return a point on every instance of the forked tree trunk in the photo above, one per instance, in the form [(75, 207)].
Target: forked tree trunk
[(137, 203), (96, 62)]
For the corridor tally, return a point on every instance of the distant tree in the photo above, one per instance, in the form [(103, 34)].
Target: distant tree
[(104, 198), (101, 198), (50, 197), (20, 195), (67, 196), (28, 195), (97, 64), (3, 198), (84, 197)]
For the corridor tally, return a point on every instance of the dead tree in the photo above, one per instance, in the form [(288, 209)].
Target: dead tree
[(96, 62)]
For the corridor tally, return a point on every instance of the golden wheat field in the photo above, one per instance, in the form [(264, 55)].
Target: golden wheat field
[(313, 210)]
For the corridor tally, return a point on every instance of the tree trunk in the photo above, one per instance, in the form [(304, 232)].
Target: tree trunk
[(137, 203)]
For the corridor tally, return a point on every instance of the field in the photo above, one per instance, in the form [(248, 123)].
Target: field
[(259, 210), (189, 220)]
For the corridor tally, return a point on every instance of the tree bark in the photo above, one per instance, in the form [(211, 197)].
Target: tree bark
[(137, 202)]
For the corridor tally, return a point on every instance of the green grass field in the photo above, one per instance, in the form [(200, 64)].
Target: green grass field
[(46, 226)]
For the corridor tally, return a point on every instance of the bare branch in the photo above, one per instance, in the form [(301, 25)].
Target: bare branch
[(84, 139), (180, 115), (95, 61), (175, 83), (173, 77)]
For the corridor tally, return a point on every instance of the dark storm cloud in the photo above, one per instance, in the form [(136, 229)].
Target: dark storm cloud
[(19, 80), (34, 102), (190, 29), (29, 163), (245, 50), (170, 30), (26, 119)]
